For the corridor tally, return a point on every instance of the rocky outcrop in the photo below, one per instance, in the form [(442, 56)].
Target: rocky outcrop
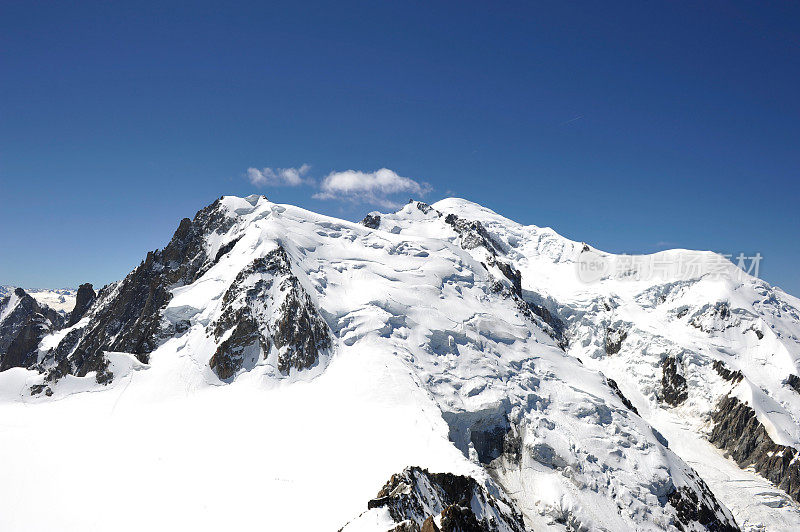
[(457, 518), (723, 371), (57, 360), (793, 381), (472, 233), (556, 324), (613, 385), (613, 340), (373, 221), (673, 383), (25, 322), (418, 499), (744, 437), (231, 355), (83, 300), (266, 306), (510, 273)]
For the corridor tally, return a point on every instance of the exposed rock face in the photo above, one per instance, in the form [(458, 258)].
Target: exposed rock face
[(673, 382), (57, 362), (793, 381), (83, 300), (267, 306), (613, 384), (373, 221), (424, 207), (692, 510), (512, 274), (129, 316), (25, 322), (411, 526), (472, 233), (614, 339), (419, 496), (457, 518), (231, 355), (428, 526), (738, 431), (299, 333), (552, 320), (727, 374)]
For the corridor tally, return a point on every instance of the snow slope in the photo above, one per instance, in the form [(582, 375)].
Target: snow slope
[(440, 355)]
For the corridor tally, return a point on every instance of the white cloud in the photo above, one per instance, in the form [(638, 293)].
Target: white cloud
[(276, 177), (375, 188)]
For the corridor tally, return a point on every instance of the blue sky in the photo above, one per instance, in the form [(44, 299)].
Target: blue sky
[(634, 127)]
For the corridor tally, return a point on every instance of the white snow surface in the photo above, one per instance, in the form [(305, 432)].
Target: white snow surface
[(420, 338)]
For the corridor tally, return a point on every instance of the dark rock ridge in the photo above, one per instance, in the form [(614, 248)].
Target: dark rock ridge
[(127, 316), (673, 383), (726, 373), (473, 234), (83, 300), (23, 328), (793, 381), (534, 313), (415, 497), (267, 306), (232, 354), (613, 385), (738, 431), (549, 318)]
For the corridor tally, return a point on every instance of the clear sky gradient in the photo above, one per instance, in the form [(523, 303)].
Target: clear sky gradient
[(635, 127)]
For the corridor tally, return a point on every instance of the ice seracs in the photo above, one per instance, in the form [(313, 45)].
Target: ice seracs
[(672, 337)]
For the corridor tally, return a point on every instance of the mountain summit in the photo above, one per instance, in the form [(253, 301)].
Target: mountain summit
[(437, 368)]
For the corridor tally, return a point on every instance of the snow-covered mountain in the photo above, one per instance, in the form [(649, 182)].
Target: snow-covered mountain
[(60, 299), (437, 368)]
